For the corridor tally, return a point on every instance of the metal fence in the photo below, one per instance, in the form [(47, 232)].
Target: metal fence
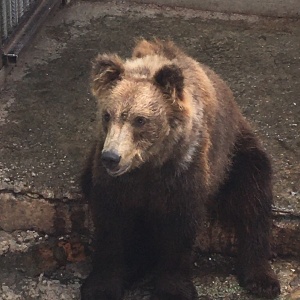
[(11, 14)]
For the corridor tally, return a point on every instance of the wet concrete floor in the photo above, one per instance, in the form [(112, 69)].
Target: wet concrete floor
[(47, 120)]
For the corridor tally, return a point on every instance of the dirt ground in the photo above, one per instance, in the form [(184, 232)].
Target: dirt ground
[(47, 120)]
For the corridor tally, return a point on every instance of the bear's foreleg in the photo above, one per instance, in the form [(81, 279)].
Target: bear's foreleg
[(173, 275), (246, 200), (106, 280)]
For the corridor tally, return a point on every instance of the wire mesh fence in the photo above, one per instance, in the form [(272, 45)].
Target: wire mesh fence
[(11, 14)]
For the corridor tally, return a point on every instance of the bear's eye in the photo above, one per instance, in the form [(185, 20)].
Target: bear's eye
[(106, 117), (139, 121)]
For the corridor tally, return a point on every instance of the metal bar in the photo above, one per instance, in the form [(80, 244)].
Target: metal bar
[(20, 8), (26, 4), (14, 12), (9, 16), (4, 20)]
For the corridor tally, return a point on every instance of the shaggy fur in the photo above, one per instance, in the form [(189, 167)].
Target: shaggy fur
[(171, 142)]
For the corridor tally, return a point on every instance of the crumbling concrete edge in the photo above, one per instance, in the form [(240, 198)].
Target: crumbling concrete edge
[(285, 237), (32, 211), (27, 211)]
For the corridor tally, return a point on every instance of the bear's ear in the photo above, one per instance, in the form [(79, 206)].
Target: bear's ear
[(106, 71), (170, 80), (144, 48)]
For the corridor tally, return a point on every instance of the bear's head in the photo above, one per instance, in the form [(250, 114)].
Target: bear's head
[(143, 110)]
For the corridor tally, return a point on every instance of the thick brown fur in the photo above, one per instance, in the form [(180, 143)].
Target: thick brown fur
[(171, 143)]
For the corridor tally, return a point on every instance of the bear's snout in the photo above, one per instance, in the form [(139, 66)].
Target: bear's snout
[(110, 159)]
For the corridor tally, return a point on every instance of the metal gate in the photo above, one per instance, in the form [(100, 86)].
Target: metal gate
[(12, 14), (19, 21)]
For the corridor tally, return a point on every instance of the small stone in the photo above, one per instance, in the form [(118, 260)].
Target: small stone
[(5, 288), (295, 282)]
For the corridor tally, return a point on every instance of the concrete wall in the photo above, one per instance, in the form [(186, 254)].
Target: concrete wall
[(278, 8)]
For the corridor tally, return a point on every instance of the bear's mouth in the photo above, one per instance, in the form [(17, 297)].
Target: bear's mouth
[(118, 171)]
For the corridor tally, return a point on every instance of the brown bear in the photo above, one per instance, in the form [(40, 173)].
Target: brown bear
[(171, 142)]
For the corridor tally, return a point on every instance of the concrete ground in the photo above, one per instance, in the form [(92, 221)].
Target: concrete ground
[(276, 8), (47, 117)]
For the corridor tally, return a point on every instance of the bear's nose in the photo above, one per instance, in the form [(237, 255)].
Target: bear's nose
[(110, 159)]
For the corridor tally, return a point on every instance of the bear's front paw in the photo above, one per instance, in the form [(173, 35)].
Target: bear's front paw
[(95, 287), (263, 284), (174, 287)]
